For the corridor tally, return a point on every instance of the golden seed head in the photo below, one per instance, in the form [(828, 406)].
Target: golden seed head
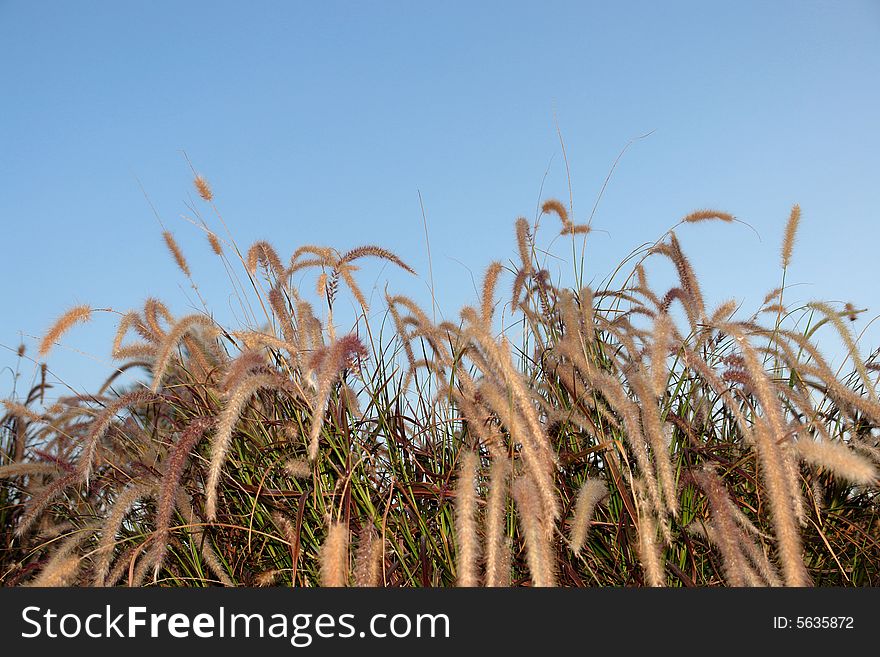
[(73, 316), (214, 241), (176, 253), (790, 231), (705, 215), (203, 188)]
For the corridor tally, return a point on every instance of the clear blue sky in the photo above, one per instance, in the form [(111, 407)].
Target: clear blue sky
[(321, 122)]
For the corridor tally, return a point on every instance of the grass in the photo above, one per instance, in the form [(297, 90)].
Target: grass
[(631, 436)]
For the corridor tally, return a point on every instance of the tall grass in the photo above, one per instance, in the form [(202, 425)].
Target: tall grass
[(630, 436)]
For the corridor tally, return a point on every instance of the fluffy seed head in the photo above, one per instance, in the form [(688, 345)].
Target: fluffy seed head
[(523, 242), (76, 315), (704, 215), (489, 282), (368, 560), (568, 228), (203, 188), (298, 468), (843, 462), (790, 230), (334, 556), (465, 523), (591, 492), (176, 253), (554, 205), (533, 521), (214, 241)]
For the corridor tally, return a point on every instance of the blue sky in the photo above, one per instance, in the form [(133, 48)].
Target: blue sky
[(322, 122)]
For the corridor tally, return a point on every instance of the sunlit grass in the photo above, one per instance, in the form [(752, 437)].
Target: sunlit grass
[(627, 436)]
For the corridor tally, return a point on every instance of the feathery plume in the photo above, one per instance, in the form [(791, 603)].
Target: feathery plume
[(282, 313), (290, 535), (524, 243), (376, 252), (761, 563), (330, 361), (323, 257), (235, 403), (171, 340), (723, 312), (615, 394), (775, 309), (176, 253), (266, 578), (777, 477), (772, 295), (311, 337), (14, 409), (496, 572), (539, 551), (727, 536), (120, 508), (688, 278), (368, 558), (535, 453), (334, 556), (576, 229), (850, 343), (791, 227), (76, 315), (589, 495), (659, 352), (154, 312), (585, 304), (488, 303), (298, 468), (555, 205), (63, 567), (248, 362), (212, 559), (649, 553), (130, 320), (263, 253), (466, 538), (523, 422), (170, 487), (102, 424), (321, 286), (653, 430), (203, 188), (781, 505), (703, 215), (214, 241), (255, 339), (26, 469), (36, 504), (745, 574), (344, 271), (835, 456), (61, 571), (568, 228)]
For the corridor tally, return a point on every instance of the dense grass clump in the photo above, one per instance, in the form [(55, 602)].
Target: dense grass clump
[(627, 436)]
